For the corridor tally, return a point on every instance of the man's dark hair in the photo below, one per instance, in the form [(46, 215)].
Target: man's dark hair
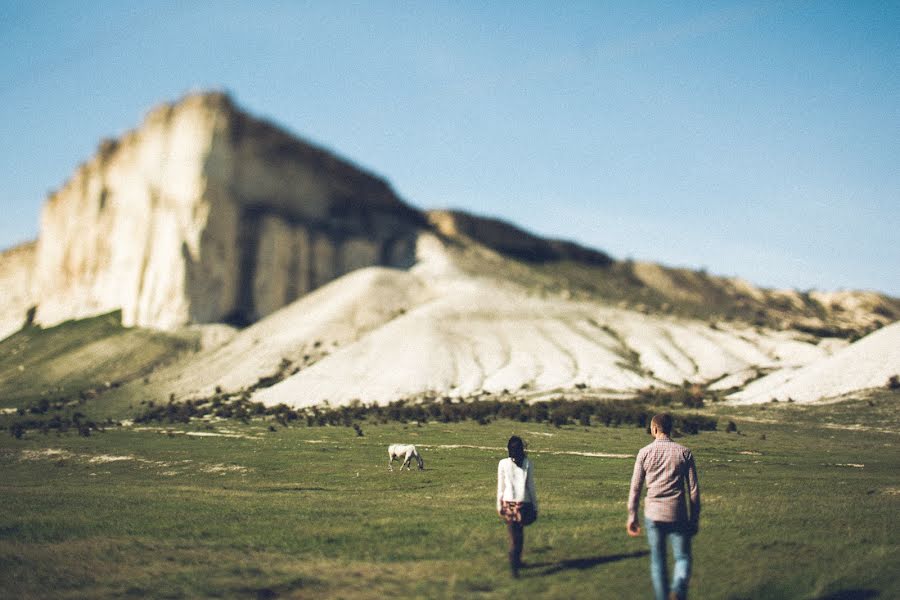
[(663, 422), (516, 448)]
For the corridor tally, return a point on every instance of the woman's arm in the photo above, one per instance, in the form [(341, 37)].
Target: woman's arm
[(499, 485)]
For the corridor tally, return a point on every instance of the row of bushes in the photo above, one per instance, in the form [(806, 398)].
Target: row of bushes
[(46, 405), (559, 412), (688, 395), (58, 423)]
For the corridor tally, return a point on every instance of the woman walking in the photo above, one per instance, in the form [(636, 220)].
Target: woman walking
[(516, 498)]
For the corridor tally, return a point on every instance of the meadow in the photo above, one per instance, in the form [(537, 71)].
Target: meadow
[(798, 503)]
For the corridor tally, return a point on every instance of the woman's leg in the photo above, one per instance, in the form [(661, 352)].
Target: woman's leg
[(516, 541)]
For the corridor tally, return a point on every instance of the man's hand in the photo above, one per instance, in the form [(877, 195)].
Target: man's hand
[(633, 528), (693, 527)]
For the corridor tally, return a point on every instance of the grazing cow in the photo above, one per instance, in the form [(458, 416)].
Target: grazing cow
[(408, 452)]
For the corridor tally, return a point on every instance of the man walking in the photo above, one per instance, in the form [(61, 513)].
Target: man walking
[(666, 467)]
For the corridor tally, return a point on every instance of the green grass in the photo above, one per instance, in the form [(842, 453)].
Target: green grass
[(313, 512)]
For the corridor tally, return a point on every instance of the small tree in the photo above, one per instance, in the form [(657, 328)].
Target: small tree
[(29, 317)]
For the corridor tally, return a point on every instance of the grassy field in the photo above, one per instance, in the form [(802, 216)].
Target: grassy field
[(795, 506)]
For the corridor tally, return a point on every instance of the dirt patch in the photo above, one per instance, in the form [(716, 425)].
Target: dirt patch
[(164, 467), (108, 458)]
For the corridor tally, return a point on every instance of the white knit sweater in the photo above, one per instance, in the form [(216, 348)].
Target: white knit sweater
[(515, 484)]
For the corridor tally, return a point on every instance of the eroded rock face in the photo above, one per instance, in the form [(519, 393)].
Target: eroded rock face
[(16, 266), (206, 214)]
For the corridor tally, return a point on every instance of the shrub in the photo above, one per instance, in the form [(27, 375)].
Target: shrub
[(731, 427), (893, 382), (689, 395), (559, 420), (58, 423), (482, 409)]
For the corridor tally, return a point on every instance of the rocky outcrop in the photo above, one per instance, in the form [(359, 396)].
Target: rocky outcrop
[(16, 266), (206, 214), (509, 240)]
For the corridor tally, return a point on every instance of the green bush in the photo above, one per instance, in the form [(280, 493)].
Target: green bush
[(558, 412)]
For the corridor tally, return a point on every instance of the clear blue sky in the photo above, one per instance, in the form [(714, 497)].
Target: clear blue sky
[(751, 139)]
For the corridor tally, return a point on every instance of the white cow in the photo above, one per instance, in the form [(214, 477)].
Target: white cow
[(408, 452)]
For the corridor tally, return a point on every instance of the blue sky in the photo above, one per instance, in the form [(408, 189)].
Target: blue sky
[(751, 139)]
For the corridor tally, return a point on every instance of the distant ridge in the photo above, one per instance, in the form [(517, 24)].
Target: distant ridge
[(512, 241)]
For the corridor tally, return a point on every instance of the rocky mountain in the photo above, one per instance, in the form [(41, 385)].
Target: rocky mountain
[(342, 291), (206, 214)]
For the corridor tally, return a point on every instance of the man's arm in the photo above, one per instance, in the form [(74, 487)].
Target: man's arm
[(634, 495), (693, 485)]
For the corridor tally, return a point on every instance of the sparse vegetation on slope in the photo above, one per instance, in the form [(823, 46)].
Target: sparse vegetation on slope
[(655, 289), (81, 358)]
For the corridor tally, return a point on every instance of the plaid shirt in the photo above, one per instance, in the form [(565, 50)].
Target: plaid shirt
[(666, 467)]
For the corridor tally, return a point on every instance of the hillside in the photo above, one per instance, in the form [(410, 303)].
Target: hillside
[(79, 360), (562, 268), (379, 334)]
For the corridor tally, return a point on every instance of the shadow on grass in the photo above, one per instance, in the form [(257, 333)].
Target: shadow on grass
[(291, 489), (580, 564), (852, 594), (288, 588), (771, 590)]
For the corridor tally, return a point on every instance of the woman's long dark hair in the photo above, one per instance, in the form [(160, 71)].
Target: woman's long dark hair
[(516, 448)]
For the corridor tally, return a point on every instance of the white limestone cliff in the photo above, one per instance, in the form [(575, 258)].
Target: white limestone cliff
[(205, 214), (16, 266)]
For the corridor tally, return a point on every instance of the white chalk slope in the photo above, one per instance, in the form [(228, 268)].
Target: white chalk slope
[(312, 326), (482, 337), (461, 335), (381, 334), (867, 363)]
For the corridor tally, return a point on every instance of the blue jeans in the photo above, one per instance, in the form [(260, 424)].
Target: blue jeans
[(680, 536)]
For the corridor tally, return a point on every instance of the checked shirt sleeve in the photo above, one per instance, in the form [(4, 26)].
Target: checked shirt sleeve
[(637, 484), (693, 486)]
